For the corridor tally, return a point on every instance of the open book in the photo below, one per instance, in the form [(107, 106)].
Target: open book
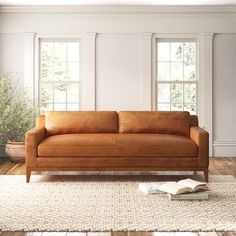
[(151, 187), (183, 186)]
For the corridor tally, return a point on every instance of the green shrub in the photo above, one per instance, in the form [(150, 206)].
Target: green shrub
[(17, 113)]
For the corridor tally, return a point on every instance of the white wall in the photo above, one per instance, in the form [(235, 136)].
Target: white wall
[(118, 72), (11, 53), (224, 95), (123, 71)]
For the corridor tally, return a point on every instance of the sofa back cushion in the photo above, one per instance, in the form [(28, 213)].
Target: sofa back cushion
[(155, 122), (74, 122)]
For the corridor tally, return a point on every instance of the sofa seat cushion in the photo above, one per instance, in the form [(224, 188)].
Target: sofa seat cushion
[(78, 145), (163, 145), (115, 145)]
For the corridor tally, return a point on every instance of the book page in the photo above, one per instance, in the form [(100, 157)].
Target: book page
[(151, 187), (191, 183), (174, 188)]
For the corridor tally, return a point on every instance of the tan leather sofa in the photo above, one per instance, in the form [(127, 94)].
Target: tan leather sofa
[(107, 140)]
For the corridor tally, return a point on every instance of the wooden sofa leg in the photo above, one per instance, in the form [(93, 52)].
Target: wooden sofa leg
[(206, 175), (28, 173)]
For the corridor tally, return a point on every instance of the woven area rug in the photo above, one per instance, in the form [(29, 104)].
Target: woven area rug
[(110, 203)]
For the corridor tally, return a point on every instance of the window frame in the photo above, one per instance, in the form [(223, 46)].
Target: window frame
[(37, 46), (176, 38)]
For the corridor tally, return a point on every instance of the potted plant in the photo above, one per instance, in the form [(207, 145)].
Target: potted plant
[(16, 116)]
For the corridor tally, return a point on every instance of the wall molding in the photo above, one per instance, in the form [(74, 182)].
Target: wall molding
[(89, 78), (122, 9), (29, 63), (146, 82), (224, 148), (206, 75), (224, 143)]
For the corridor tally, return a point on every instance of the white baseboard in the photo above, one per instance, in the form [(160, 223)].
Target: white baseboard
[(224, 149)]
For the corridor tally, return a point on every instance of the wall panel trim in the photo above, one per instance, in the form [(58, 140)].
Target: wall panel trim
[(123, 9)]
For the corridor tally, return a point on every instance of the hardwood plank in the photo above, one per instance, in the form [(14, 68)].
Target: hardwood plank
[(21, 233), (141, 234), (75, 234), (54, 234), (186, 234), (226, 233), (164, 234), (119, 233), (18, 168), (99, 234), (229, 233), (6, 167), (35, 234), (220, 233), (2, 161), (207, 234)]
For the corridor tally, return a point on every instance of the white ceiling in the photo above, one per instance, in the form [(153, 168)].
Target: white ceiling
[(116, 2)]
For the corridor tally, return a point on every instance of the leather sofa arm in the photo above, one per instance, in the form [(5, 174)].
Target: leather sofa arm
[(201, 138), (32, 139)]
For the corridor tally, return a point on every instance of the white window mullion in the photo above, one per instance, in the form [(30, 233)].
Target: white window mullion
[(53, 95), (183, 78), (67, 75), (53, 75)]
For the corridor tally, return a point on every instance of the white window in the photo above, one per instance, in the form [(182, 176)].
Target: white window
[(59, 75), (176, 76)]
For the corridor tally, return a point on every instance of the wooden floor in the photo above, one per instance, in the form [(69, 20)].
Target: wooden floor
[(218, 166)]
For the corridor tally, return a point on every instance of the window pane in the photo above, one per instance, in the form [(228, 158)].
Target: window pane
[(191, 108), (176, 51), (190, 53), (59, 71), (163, 51), (164, 93), (73, 51), (163, 71), (46, 51), (176, 71), (46, 65), (177, 93), (59, 93), (72, 107), (46, 107), (60, 51), (59, 107), (73, 93), (46, 93), (163, 107), (177, 107), (189, 72), (73, 71), (190, 93), (46, 71)]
